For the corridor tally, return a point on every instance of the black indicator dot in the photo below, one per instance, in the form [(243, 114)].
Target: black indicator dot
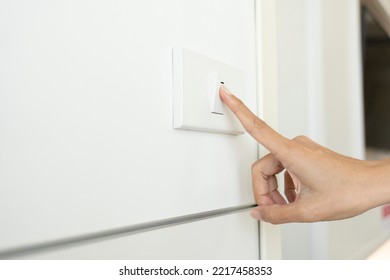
[(222, 83)]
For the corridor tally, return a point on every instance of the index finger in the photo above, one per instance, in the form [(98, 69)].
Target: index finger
[(257, 128)]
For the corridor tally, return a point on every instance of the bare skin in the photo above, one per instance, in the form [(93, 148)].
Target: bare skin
[(320, 184)]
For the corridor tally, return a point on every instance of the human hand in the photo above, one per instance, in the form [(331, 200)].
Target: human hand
[(320, 184)]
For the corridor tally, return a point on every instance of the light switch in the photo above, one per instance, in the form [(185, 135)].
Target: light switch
[(196, 102), (216, 102)]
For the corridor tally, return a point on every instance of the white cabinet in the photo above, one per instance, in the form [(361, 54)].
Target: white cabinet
[(233, 236), (87, 142)]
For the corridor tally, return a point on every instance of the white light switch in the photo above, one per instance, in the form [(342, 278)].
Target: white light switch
[(196, 101), (216, 102)]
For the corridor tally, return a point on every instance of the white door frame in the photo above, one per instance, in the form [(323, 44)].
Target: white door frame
[(266, 48)]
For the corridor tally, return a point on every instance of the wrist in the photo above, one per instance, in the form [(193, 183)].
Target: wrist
[(377, 181)]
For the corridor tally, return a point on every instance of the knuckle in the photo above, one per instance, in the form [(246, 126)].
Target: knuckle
[(301, 138), (273, 220), (254, 167), (257, 165), (271, 217), (257, 126), (237, 106)]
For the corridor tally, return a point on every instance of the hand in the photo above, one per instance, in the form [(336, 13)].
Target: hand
[(320, 184)]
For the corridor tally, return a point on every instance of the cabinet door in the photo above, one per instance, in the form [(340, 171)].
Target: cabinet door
[(233, 236), (87, 142)]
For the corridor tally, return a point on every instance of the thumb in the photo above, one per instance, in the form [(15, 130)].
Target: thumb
[(280, 214)]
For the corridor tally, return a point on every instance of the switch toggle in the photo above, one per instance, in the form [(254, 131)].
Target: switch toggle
[(217, 106)]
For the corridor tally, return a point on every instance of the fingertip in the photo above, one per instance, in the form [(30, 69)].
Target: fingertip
[(225, 93), (225, 90)]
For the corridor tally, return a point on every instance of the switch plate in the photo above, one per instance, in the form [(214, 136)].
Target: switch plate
[(196, 102)]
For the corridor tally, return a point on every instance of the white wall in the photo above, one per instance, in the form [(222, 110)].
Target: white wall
[(86, 115)]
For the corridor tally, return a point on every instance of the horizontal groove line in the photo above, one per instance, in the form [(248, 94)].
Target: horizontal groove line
[(124, 231)]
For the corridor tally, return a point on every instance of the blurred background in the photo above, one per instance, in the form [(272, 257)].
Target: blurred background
[(344, 86)]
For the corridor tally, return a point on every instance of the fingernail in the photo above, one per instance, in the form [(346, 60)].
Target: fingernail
[(226, 90), (256, 214)]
